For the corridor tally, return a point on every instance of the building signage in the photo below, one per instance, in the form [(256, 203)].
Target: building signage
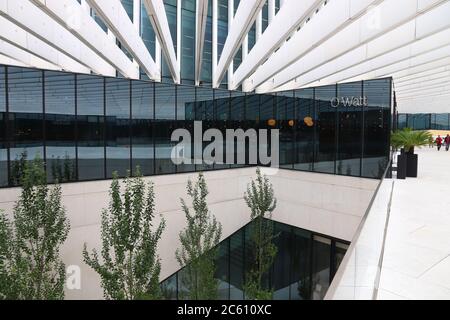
[(349, 102)]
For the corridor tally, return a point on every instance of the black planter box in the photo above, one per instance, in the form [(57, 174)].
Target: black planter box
[(401, 166), (412, 164)]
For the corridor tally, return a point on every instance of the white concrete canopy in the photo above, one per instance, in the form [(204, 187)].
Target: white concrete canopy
[(115, 16), (202, 16), (158, 18), (306, 43), (242, 22)]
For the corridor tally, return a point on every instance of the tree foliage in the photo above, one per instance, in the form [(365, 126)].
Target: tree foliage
[(30, 266), (129, 266), (199, 242), (260, 198)]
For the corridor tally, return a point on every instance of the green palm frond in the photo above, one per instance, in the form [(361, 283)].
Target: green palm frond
[(409, 139)]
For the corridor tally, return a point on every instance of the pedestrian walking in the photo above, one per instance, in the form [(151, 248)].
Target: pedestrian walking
[(439, 142), (447, 142)]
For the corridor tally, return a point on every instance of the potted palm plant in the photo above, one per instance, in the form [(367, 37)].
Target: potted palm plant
[(409, 140)]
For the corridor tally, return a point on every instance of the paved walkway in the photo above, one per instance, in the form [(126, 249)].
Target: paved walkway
[(416, 260)]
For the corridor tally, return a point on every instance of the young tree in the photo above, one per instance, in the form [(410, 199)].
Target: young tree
[(261, 200), (199, 241), (130, 266), (6, 259), (30, 245)]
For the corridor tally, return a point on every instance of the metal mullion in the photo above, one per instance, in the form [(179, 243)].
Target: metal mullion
[(7, 128), (153, 127), (363, 133), (44, 119), (313, 167), (105, 175), (76, 129), (336, 134), (130, 127)]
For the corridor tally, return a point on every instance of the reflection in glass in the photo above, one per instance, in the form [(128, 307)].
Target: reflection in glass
[(376, 127), (303, 268), (304, 131), (91, 121), (222, 115), (325, 130), (142, 125), (118, 144), (282, 264), (286, 123), (223, 270), (165, 124), (3, 142), (350, 132), (186, 111), (301, 265), (25, 117), (188, 41), (141, 117), (321, 267), (237, 265), (60, 124)]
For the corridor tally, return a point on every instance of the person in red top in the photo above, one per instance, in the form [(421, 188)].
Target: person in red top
[(439, 142), (447, 142)]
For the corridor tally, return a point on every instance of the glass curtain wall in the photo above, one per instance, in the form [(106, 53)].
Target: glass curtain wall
[(303, 268), (86, 127), (428, 121)]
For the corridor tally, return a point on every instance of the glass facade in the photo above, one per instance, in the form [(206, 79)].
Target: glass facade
[(303, 268), (421, 121), (86, 127)]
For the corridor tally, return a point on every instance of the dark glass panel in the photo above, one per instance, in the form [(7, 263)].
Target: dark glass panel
[(223, 270), (142, 124), (301, 265), (25, 116), (186, 111), (60, 122), (282, 264), (128, 6), (325, 130), (165, 124), (265, 16), (171, 13), (285, 109), (340, 251), (268, 118), (402, 121), (237, 265), (321, 267), (304, 131), (377, 118), (442, 121), (350, 132), (206, 72), (147, 32), (118, 143), (3, 140), (204, 111), (236, 122), (91, 121), (301, 269), (169, 288), (267, 107), (222, 25), (188, 40), (222, 116)]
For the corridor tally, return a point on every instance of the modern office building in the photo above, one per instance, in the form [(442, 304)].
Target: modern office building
[(95, 87)]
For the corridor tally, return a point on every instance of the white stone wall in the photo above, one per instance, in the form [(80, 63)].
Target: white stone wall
[(326, 204)]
